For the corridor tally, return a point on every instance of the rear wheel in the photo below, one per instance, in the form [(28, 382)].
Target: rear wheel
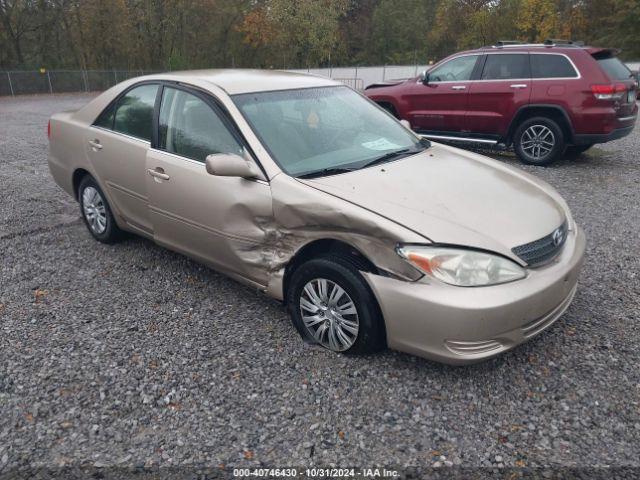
[(389, 108), (539, 141), (331, 304), (96, 212), (574, 151)]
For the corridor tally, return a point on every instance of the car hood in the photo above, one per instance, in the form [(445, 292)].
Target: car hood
[(454, 197)]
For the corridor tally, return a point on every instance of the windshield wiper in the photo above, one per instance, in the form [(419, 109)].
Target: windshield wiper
[(325, 172), (394, 155)]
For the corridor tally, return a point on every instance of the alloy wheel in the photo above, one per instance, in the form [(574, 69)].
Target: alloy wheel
[(538, 141), (329, 314), (94, 210)]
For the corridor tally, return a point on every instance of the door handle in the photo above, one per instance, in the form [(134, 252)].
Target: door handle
[(458, 87), (95, 144), (519, 85), (158, 173)]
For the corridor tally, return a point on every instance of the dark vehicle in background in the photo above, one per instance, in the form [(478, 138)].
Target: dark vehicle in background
[(546, 100)]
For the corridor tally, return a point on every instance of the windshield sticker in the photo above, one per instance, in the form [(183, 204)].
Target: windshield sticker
[(380, 144)]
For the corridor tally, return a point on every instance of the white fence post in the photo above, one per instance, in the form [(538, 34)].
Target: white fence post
[(49, 80), (10, 84)]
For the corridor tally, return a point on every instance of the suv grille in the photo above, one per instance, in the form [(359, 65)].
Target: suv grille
[(544, 249)]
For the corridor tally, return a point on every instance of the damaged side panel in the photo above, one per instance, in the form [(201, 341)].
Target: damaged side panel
[(251, 230), (303, 214)]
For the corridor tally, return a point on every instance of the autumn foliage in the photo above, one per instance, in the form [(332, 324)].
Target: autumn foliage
[(176, 34)]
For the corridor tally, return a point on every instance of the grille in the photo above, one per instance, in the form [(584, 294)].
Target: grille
[(543, 249)]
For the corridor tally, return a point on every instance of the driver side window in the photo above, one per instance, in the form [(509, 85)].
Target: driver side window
[(456, 70), (191, 128)]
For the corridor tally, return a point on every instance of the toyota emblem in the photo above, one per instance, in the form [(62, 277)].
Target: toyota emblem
[(557, 236)]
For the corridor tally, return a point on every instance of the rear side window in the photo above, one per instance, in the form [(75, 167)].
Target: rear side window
[(134, 112), (191, 128), (552, 66), (105, 120), (506, 66), (614, 68)]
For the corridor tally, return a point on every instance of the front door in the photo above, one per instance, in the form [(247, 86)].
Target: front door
[(222, 221), (117, 145), (441, 104), (504, 87)]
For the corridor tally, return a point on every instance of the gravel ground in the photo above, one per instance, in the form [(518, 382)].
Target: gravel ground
[(131, 355)]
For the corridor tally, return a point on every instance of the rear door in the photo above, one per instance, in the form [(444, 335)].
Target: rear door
[(222, 221), (504, 86), (116, 145), (441, 104)]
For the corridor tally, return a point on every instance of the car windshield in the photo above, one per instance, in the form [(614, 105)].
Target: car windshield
[(322, 131)]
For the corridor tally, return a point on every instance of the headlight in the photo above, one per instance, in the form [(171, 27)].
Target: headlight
[(464, 268)]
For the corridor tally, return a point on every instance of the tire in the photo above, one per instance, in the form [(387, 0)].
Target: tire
[(574, 151), (369, 335), (96, 212), (389, 108), (539, 141)]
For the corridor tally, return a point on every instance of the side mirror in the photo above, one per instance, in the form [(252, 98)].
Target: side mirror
[(405, 123), (232, 165), (425, 78)]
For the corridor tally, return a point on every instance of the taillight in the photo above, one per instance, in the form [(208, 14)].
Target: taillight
[(608, 91), (49, 130)]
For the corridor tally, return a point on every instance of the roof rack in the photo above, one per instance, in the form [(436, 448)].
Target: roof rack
[(550, 42), (502, 43)]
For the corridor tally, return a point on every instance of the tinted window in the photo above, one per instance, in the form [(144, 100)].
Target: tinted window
[(551, 66), (191, 128), (456, 70), (614, 68), (105, 120), (134, 112), (506, 66)]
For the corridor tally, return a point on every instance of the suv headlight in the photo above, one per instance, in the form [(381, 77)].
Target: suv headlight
[(464, 268)]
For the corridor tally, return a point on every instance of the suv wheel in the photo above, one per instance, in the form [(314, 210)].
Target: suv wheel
[(539, 141), (331, 304)]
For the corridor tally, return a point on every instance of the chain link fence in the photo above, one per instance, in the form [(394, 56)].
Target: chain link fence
[(62, 81)]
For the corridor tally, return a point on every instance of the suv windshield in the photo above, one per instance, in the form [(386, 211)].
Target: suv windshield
[(323, 131)]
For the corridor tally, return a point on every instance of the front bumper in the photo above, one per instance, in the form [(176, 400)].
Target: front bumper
[(458, 325)]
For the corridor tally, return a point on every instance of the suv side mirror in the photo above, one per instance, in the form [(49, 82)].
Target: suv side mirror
[(425, 78), (232, 165)]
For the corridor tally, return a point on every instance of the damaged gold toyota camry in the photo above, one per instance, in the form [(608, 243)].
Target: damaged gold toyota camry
[(303, 188)]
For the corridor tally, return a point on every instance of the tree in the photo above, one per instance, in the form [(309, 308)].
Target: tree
[(538, 20), (304, 32)]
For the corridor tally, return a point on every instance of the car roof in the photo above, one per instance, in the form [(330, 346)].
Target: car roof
[(541, 47), (237, 81)]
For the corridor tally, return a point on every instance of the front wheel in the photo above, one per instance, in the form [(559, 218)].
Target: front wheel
[(539, 141), (331, 304)]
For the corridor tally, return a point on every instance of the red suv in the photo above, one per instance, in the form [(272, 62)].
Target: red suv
[(545, 99)]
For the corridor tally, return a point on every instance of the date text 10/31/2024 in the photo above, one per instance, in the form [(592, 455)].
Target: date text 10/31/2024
[(316, 472)]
